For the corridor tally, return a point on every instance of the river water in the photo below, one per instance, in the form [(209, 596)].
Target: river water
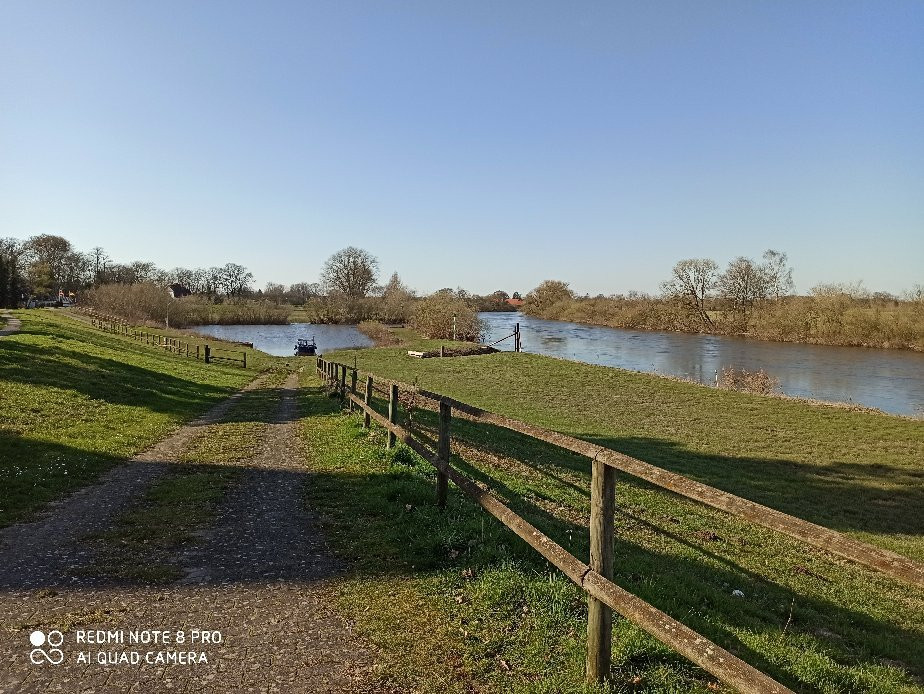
[(280, 340), (890, 380)]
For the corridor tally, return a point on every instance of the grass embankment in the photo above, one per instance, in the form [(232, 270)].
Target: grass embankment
[(74, 401), (813, 621)]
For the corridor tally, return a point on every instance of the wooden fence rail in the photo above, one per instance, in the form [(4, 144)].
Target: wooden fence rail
[(168, 343), (594, 578), (882, 560)]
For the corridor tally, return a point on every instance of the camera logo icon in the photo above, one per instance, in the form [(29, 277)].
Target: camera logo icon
[(51, 641)]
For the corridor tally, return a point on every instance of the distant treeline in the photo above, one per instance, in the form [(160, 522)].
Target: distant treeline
[(749, 299), (347, 291)]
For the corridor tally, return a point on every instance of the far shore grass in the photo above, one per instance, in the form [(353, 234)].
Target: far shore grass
[(74, 401)]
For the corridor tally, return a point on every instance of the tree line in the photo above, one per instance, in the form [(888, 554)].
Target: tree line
[(44, 265), (750, 298)]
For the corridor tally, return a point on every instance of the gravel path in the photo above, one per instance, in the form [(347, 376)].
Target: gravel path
[(259, 579), (11, 326)]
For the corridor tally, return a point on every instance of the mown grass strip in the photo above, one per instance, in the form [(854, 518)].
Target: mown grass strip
[(807, 619), (858, 473), (455, 600), (74, 401)]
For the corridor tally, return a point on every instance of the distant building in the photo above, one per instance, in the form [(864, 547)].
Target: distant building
[(515, 302), (178, 291)]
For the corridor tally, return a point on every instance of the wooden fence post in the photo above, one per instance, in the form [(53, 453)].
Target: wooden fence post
[(343, 370), (352, 388), (442, 479), (392, 413), (599, 615), (367, 420), (208, 354), (245, 360)]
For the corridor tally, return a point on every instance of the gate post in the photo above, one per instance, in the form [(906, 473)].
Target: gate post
[(599, 615), (392, 413), (442, 479), (352, 388), (367, 420)]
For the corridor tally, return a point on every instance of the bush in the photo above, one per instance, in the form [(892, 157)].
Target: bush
[(378, 333), (433, 318), (146, 302), (759, 382)]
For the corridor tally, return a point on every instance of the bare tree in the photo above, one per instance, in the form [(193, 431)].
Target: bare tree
[(99, 259), (275, 292), (777, 274), (234, 279), (397, 300), (546, 295), (351, 272), (303, 291), (142, 271), (743, 284), (691, 285)]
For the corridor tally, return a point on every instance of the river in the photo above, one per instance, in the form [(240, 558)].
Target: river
[(279, 340), (890, 380)]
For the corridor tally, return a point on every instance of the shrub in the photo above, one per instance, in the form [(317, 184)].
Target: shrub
[(146, 302), (433, 318), (759, 382), (378, 333)]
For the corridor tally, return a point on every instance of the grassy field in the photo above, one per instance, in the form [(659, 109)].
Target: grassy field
[(815, 622), (75, 401)]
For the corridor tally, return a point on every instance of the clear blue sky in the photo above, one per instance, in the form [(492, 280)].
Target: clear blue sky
[(478, 144)]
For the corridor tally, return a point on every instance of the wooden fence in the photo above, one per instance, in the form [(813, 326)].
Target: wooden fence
[(206, 353), (595, 577)]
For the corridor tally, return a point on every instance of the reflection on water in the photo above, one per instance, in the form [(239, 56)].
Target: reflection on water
[(280, 340), (890, 380)]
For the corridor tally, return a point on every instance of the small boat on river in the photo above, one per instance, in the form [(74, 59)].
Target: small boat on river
[(304, 348)]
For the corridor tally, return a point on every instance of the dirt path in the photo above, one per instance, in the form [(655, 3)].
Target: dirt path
[(11, 326), (258, 579)]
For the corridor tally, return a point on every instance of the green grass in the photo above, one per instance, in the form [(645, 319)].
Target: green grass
[(74, 401), (817, 623), (856, 472)]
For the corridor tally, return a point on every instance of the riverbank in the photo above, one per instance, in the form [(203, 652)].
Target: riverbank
[(890, 380), (827, 319), (458, 583)]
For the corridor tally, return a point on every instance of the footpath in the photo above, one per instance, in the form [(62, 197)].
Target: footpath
[(253, 611)]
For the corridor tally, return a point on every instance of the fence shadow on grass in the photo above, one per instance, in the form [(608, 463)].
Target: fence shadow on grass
[(382, 520), (111, 380), (693, 583)]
